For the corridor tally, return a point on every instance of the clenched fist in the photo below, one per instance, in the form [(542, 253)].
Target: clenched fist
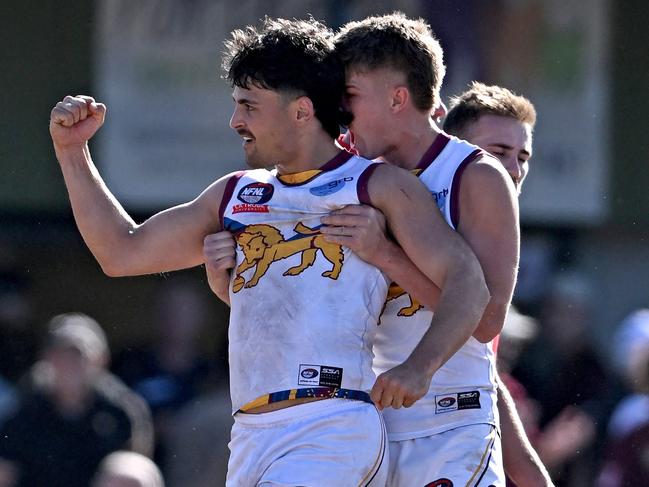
[(74, 121)]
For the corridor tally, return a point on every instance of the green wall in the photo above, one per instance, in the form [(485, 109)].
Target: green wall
[(46, 54), (630, 112)]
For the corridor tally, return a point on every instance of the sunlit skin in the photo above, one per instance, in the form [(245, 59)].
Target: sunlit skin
[(280, 129), (506, 138), (375, 98), (261, 118)]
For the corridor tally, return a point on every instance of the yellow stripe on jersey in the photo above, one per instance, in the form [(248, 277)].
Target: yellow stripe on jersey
[(298, 177), (260, 401)]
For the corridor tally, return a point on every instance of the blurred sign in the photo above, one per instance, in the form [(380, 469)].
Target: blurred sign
[(166, 136), (555, 53)]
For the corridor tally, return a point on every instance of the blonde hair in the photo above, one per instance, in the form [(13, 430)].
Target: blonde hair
[(481, 99), (396, 42)]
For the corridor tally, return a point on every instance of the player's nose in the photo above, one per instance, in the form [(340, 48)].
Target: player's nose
[(235, 120), (514, 169)]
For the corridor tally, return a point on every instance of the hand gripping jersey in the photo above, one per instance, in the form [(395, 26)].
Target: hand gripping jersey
[(462, 391), (304, 312)]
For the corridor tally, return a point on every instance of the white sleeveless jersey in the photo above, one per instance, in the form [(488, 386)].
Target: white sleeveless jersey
[(462, 391), (304, 312)]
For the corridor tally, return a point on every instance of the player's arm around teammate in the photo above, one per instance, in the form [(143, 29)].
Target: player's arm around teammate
[(488, 222), (170, 240), (446, 260), (424, 235)]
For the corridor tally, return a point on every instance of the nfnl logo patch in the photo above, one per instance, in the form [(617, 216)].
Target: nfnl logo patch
[(320, 375), (256, 193), (309, 373), (457, 401)]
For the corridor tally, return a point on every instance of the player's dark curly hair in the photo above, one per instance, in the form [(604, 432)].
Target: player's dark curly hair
[(396, 42), (290, 56)]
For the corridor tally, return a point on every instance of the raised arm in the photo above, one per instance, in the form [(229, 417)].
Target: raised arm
[(170, 240), (445, 259)]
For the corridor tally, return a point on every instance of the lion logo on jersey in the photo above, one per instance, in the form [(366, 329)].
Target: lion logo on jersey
[(395, 292), (263, 244)]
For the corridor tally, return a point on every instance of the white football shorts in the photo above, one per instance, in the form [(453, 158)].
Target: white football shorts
[(324, 443), (468, 456)]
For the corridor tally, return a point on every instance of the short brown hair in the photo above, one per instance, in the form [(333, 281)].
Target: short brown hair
[(397, 42), (481, 99)]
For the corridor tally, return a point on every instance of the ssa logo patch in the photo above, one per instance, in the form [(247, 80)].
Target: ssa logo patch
[(320, 375), (256, 193), (457, 401), (331, 187)]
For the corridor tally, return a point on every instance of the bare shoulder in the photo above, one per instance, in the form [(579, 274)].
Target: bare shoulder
[(214, 193), (389, 178), (485, 179), (486, 169)]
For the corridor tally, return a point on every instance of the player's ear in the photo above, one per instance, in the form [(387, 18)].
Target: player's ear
[(439, 112), (400, 97), (304, 110)]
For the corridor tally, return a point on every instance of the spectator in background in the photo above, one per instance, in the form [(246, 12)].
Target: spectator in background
[(517, 332), (197, 442), (18, 342), (563, 373), (173, 370), (71, 411), (627, 458), (127, 469), (564, 435)]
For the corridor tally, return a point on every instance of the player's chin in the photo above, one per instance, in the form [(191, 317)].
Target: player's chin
[(255, 162)]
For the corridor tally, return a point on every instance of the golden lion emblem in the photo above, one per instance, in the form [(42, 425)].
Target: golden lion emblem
[(394, 292), (263, 244)]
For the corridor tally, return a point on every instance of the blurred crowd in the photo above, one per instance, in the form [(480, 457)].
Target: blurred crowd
[(74, 414)]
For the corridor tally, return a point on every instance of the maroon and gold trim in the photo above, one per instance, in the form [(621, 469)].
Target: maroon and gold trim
[(299, 178)]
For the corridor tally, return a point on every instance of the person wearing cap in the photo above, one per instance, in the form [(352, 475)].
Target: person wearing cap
[(72, 412)]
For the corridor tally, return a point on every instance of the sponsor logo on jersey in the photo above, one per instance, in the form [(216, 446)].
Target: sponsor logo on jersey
[(256, 193), (457, 401), (330, 187), (249, 208), (320, 375), (446, 402), (440, 197), (440, 483), (309, 373)]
